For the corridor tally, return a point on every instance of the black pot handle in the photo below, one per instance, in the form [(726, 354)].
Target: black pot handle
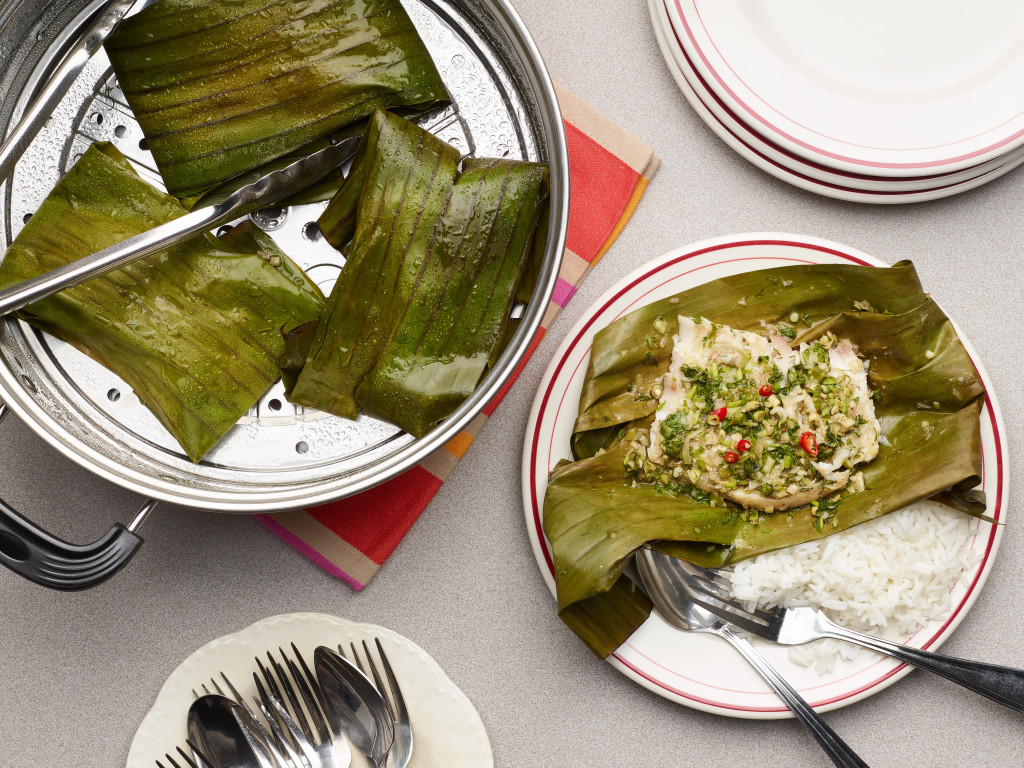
[(41, 557)]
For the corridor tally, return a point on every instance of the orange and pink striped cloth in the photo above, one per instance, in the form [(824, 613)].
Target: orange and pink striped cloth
[(608, 172)]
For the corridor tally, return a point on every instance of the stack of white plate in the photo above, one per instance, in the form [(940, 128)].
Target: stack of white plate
[(874, 101)]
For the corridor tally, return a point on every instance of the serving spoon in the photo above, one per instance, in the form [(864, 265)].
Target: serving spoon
[(663, 580)]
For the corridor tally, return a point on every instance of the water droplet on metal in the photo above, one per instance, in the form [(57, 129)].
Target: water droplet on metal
[(269, 219)]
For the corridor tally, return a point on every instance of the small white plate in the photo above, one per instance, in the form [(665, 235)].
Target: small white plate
[(447, 731), (697, 670), (894, 89), (797, 170)]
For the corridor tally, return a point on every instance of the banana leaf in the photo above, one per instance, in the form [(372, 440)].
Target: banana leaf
[(193, 329), (435, 253), (221, 88), (929, 400)]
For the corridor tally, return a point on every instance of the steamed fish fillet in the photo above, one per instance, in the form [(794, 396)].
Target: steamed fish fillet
[(750, 418)]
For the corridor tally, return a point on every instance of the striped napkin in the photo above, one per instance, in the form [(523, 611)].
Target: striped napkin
[(608, 172)]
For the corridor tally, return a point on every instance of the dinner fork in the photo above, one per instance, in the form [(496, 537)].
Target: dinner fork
[(197, 760), (280, 682), (401, 747), (796, 626), (664, 581), (273, 742)]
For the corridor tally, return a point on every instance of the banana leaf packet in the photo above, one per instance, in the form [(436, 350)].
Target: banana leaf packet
[(928, 402), (193, 329), (436, 247), (221, 88)]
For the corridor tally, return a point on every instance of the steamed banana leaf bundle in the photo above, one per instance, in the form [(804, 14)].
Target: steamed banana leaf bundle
[(221, 88), (436, 246), (598, 510), (193, 329)]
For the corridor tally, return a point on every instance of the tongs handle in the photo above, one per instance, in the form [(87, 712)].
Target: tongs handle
[(274, 186), (102, 26)]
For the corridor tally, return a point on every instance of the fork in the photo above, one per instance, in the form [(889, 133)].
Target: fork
[(200, 760), (664, 581), (796, 626), (274, 744), (278, 689), (401, 747)]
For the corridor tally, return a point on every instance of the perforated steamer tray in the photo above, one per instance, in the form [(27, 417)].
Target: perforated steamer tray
[(279, 456)]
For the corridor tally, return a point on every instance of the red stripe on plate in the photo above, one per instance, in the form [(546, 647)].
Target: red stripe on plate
[(825, 153), (802, 160)]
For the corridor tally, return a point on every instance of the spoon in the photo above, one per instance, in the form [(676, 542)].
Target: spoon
[(354, 705), (663, 579), (225, 731)]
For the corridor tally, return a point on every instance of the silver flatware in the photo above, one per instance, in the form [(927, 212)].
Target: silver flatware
[(284, 751), (196, 760), (796, 626), (288, 690), (664, 580), (39, 110), (268, 189), (354, 706), (224, 730), (401, 750)]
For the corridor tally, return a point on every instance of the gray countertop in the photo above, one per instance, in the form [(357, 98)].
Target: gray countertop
[(81, 670)]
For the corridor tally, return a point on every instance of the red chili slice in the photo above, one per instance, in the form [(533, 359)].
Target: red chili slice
[(731, 457), (720, 413), (809, 443), (766, 391), (743, 445)]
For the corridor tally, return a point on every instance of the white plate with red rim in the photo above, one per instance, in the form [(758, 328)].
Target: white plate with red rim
[(893, 89), (814, 177), (701, 671)]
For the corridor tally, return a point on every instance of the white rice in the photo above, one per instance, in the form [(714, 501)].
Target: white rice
[(887, 577)]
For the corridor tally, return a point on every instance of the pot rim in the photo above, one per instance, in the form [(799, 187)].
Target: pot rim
[(144, 476)]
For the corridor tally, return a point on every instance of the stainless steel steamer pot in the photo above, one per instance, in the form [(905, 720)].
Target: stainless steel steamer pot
[(279, 456)]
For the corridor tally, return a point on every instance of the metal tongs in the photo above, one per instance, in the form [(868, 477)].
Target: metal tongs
[(267, 190), (100, 28), (270, 188)]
